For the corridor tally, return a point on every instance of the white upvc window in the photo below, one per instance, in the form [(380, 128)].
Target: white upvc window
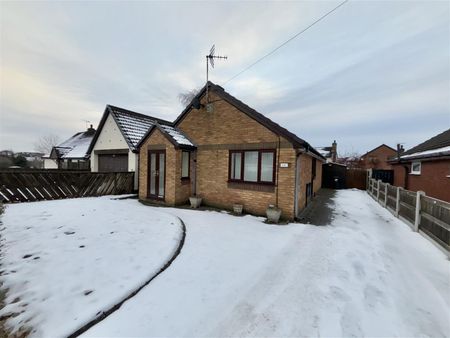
[(416, 168), (185, 159)]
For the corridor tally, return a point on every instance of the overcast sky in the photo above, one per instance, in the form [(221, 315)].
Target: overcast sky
[(370, 73)]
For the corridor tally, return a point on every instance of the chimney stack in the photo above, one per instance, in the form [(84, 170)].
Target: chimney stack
[(334, 151), (400, 150)]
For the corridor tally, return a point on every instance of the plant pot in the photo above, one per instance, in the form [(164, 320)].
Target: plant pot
[(237, 209), (273, 214), (195, 201)]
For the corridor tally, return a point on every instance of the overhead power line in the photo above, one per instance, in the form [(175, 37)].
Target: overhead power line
[(286, 42)]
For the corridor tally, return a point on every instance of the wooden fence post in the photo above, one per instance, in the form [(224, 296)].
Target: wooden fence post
[(417, 218), (397, 202)]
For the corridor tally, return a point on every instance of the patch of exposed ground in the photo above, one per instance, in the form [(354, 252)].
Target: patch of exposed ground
[(4, 332)]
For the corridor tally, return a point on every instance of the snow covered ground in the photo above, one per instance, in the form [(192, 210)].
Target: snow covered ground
[(367, 274), (63, 261)]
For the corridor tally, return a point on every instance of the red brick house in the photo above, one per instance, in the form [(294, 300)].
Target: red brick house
[(426, 167), (227, 153), (377, 158)]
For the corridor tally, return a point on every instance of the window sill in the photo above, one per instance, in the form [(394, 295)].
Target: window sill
[(252, 183), (185, 180), (415, 174), (264, 187)]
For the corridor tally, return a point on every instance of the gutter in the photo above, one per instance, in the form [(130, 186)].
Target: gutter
[(422, 159), (310, 153)]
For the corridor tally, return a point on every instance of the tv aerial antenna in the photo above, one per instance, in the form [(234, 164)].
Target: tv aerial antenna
[(87, 123), (210, 61)]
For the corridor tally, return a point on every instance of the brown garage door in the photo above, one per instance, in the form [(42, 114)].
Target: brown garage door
[(113, 162)]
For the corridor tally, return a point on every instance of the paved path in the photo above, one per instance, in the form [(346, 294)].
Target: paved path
[(321, 209), (365, 274)]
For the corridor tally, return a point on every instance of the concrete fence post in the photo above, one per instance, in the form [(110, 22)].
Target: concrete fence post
[(378, 190), (397, 202), (385, 194), (417, 217)]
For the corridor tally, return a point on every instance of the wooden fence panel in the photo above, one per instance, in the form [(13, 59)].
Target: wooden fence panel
[(431, 219), (435, 220), (382, 190), (407, 205), (37, 185), (356, 178), (391, 197)]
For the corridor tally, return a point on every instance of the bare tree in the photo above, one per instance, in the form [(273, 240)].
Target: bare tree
[(45, 143), (186, 97)]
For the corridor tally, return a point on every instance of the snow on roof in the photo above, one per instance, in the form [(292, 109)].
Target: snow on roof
[(324, 151), (76, 146), (133, 125), (177, 135), (429, 153)]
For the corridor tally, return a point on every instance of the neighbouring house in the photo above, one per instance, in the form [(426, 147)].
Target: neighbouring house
[(330, 153), (378, 158), (72, 153), (114, 146), (227, 153), (34, 159), (426, 167)]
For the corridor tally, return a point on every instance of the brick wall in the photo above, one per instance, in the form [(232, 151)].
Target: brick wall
[(318, 179), (158, 141), (182, 186), (228, 128), (377, 159), (432, 179), (306, 177)]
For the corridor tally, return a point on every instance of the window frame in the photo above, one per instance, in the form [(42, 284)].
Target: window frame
[(189, 165), (416, 172), (259, 167)]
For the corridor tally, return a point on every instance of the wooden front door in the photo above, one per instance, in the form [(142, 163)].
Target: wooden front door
[(156, 174)]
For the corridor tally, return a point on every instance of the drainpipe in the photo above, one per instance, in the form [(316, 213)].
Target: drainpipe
[(297, 183), (194, 174), (278, 170), (137, 170)]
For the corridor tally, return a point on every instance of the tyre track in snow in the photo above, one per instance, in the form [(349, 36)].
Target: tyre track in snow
[(104, 314)]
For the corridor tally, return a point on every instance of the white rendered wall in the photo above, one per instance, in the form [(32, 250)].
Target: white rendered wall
[(111, 138), (50, 164)]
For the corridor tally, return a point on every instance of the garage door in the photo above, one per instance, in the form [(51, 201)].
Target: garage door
[(113, 162)]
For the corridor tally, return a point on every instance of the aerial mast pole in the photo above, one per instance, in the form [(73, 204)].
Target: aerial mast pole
[(211, 58)]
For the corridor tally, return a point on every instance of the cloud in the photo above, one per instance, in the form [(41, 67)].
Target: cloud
[(370, 72)]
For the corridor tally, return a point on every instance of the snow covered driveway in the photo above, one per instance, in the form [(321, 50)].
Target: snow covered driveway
[(64, 261), (366, 274)]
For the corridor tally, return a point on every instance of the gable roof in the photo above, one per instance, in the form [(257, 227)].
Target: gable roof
[(75, 147), (173, 134), (132, 125), (439, 141), (266, 122), (436, 146), (381, 145)]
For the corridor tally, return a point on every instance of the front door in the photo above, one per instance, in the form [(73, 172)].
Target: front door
[(156, 174)]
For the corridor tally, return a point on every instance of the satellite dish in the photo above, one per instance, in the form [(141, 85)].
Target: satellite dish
[(196, 103)]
